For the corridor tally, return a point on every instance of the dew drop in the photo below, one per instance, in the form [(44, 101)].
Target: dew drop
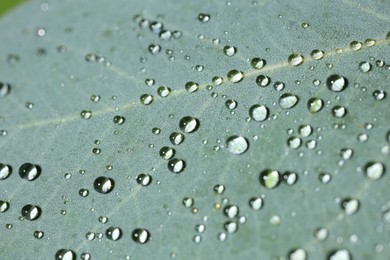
[(146, 99), (29, 171), (163, 91), (231, 227), (5, 171), (350, 205), (103, 184), (189, 124), (270, 178), (65, 254), (167, 152), (4, 206), (279, 86), (31, 212), (176, 165), (85, 114), (317, 54), (364, 67), (140, 235), (336, 83), (176, 138), (5, 89), (374, 170), (113, 233), (256, 203), (297, 254), (290, 178), (315, 104), (355, 45), (188, 202), (295, 59), (229, 50), (379, 95), (154, 49), (341, 254), (219, 188), (287, 100), (204, 18), (258, 63), (258, 112), (339, 111), (263, 81), (231, 104), (118, 120), (38, 234), (191, 86), (237, 144), (235, 76), (144, 179), (305, 130), (294, 142)]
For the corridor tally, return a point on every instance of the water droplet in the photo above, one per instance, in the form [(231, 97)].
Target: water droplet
[(364, 67), (176, 138), (65, 254), (321, 233), (191, 86), (167, 152), (229, 50), (222, 236), (200, 228), (31, 212), (103, 184), (29, 171), (315, 104), (231, 227), (83, 192), (189, 124), (86, 114), (140, 235), (379, 95), (355, 45), (176, 165), (339, 111), (295, 59), (305, 130), (165, 35), (38, 234), (350, 205), (279, 86), (219, 188), (163, 91), (317, 54), (258, 63), (263, 81), (5, 171), (256, 203), (4, 206), (113, 233), (287, 100), (336, 83), (237, 144), (325, 177), (146, 99), (188, 202), (144, 179), (235, 76), (231, 211), (341, 254), (270, 178), (297, 254), (294, 142), (231, 104), (290, 178), (95, 98), (5, 89), (204, 18), (154, 49), (258, 112), (374, 170)]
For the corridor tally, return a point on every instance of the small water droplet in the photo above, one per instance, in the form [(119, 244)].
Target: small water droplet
[(146, 99), (229, 50), (339, 111), (204, 18), (86, 114), (379, 95), (5, 171), (188, 202), (287, 100), (317, 54), (65, 254), (256, 203), (113, 233), (350, 205), (237, 144), (231, 211), (341, 254), (144, 179), (364, 67), (191, 86), (176, 138)]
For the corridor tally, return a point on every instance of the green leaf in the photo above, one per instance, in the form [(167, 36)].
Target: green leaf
[(255, 115)]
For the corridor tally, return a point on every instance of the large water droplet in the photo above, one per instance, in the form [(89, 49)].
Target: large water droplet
[(113, 233), (287, 100), (374, 170), (31, 212), (350, 205), (5, 89), (231, 211), (176, 165), (258, 112), (167, 152), (189, 124), (270, 178), (235, 76), (103, 184), (176, 138), (229, 50), (336, 83), (29, 171), (140, 235), (65, 254), (191, 86), (237, 144), (295, 59), (315, 104)]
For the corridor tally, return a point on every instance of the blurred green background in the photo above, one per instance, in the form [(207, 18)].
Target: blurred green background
[(6, 5)]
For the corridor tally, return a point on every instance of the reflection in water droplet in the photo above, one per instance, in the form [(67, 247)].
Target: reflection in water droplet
[(103, 184), (374, 170), (5, 89), (288, 100), (295, 59), (336, 83), (140, 235), (270, 178), (235, 76), (191, 86), (204, 18), (31, 212), (189, 124), (258, 113), (237, 144), (144, 179)]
